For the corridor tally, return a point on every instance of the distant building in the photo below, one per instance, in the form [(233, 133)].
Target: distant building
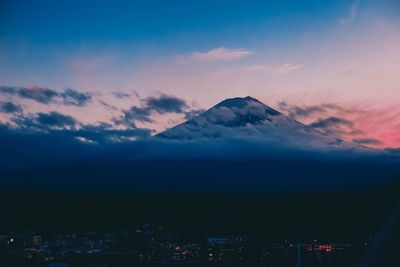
[(59, 264), (224, 240), (37, 240)]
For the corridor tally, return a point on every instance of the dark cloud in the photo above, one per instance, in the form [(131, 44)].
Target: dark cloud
[(41, 95), (331, 122), (133, 114), (306, 111), (58, 124), (130, 159), (98, 156), (301, 112), (119, 94), (336, 126), (44, 122), (104, 133), (393, 151), (296, 112), (69, 97), (166, 104), (108, 106), (325, 117), (162, 104), (139, 114), (46, 139), (367, 141), (72, 97), (136, 94), (9, 107), (55, 119), (71, 154)]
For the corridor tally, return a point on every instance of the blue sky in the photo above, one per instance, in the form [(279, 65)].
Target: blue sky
[(60, 22), (36, 35)]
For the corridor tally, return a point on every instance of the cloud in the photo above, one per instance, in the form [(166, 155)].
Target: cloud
[(258, 67), (55, 124), (331, 122), (41, 95), (55, 119), (312, 111), (287, 68), (108, 106), (221, 53), (36, 144), (166, 104), (133, 114), (336, 126), (273, 69), (373, 121), (43, 122), (296, 112), (96, 156), (68, 97), (121, 95), (193, 113), (104, 133), (161, 104), (367, 141), (74, 98), (9, 107)]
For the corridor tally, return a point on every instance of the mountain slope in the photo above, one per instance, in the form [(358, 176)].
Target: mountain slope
[(247, 118)]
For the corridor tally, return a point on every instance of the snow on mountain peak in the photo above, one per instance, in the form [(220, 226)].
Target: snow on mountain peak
[(236, 112), (237, 102)]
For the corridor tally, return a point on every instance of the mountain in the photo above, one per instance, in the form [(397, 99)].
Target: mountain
[(247, 118)]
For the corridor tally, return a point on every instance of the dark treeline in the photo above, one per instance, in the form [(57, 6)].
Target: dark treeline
[(344, 215)]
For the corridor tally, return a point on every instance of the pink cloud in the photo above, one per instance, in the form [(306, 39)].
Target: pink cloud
[(371, 124), (287, 68), (382, 123)]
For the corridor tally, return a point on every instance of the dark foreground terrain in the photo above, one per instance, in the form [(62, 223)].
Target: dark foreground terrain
[(346, 228)]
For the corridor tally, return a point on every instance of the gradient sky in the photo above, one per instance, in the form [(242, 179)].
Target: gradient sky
[(287, 54)]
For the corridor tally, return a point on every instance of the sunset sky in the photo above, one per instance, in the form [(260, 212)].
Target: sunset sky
[(85, 63)]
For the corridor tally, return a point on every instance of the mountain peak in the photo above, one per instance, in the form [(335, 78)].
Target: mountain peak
[(247, 106), (237, 102), (247, 118)]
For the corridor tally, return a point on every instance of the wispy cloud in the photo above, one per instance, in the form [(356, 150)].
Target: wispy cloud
[(367, 141), (352, 14), (368, 124), (221, 53), (287, 68), (332, 122), (300, 112), (108, 106), (120, 94)]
